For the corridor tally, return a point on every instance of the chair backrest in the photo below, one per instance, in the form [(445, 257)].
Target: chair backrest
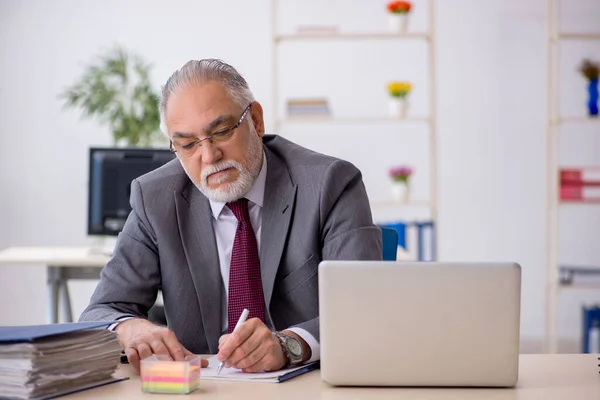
[(400, 228), (390, 243)]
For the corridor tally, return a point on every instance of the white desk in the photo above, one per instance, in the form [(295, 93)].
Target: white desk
[(547, 377), (62, 264)]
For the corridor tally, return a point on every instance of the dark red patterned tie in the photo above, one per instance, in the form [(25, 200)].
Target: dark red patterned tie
[(245, 285)]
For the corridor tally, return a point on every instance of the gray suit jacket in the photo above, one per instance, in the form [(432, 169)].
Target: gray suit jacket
[(315, 208)]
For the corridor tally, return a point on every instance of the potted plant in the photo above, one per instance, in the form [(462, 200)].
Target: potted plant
[(400, 176), (591, 70), (117, 90), (398, 15), (399, 92)]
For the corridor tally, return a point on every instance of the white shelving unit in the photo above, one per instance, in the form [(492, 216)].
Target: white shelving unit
[(430, 121), (556, 39)]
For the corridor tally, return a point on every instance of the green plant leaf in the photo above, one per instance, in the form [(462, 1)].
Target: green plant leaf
[(117, 90)]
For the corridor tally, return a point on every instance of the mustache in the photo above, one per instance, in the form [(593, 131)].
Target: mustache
[(218, 167)]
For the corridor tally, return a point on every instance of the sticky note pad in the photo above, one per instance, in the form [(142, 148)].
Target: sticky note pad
[(159, 374)]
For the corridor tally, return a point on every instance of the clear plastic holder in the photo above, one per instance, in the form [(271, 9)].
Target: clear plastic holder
[(160, 374)]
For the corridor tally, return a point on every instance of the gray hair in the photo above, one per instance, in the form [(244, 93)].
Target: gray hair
[(196, 72)]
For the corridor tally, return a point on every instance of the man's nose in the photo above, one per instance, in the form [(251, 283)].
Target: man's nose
[(210, 152)]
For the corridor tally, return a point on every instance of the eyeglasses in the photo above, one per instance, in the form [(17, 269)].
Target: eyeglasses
[(186, 150)]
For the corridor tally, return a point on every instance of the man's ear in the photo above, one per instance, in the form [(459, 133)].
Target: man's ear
[(256, 111)]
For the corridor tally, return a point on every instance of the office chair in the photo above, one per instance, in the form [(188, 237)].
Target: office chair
[(389, 238)]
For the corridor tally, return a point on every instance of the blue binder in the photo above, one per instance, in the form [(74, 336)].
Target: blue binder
[(15, 334), (591, 320)]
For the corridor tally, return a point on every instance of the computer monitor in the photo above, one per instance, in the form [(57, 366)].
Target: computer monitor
[(111, 172)]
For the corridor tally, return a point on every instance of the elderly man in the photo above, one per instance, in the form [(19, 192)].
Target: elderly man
[(238, 220)]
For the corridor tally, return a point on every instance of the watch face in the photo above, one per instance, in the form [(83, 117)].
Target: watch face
[(294, 347)]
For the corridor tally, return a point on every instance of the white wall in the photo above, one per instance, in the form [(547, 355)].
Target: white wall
[(491, 74)]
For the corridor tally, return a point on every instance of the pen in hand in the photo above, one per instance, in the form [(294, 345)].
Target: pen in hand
[(242, 319)]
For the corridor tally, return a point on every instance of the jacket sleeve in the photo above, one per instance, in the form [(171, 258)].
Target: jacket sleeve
[(347, 228), (130, 281)]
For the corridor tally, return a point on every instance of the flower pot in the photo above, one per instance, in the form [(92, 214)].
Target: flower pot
[(398, 107), (398, 22), (400, 192), (593, 98)]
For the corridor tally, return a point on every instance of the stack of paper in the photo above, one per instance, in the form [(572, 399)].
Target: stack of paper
[(160, 374), (48, 360)]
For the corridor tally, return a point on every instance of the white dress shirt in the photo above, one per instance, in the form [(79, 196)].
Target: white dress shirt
[(225, 225)]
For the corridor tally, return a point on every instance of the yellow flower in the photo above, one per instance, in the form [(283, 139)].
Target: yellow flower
[(399, 89)]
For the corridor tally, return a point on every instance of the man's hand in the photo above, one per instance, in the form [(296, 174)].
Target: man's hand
[(252, 348), (141, 338)]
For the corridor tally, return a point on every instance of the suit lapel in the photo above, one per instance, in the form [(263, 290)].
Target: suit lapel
[(199, 244), (278, 205)]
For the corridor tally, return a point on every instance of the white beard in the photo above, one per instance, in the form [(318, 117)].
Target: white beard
[(246, 176)]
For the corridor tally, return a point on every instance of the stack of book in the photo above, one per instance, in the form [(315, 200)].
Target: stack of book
[(312, 107), (318, 29), (580, 184), (45, 361)]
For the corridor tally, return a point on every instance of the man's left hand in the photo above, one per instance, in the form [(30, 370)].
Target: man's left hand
[(252, 348)]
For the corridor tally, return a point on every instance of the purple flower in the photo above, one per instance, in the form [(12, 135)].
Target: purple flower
[(400, 173)]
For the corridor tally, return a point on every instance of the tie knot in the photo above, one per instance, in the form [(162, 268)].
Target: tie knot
[(239, 208)]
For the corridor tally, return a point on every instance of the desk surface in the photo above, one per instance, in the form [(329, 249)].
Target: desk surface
[(55, 256), (545, 377)]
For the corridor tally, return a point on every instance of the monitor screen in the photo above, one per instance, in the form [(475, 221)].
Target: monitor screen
[(111, 172)]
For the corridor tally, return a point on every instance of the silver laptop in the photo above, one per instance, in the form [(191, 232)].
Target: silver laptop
[(386, 323)]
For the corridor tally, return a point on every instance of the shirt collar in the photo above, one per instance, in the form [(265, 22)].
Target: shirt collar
[(256, 194)]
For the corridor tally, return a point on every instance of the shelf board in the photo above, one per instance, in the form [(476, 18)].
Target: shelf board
[(392, 203), (350, 36), (579, 202), (580, 269), (579, 36), (349, 120), (575, 120), (570, 275), (567, 286)]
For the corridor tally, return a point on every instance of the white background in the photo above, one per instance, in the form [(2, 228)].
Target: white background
[(492, 110)]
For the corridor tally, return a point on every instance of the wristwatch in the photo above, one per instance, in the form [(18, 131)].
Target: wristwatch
[(292, 348)]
